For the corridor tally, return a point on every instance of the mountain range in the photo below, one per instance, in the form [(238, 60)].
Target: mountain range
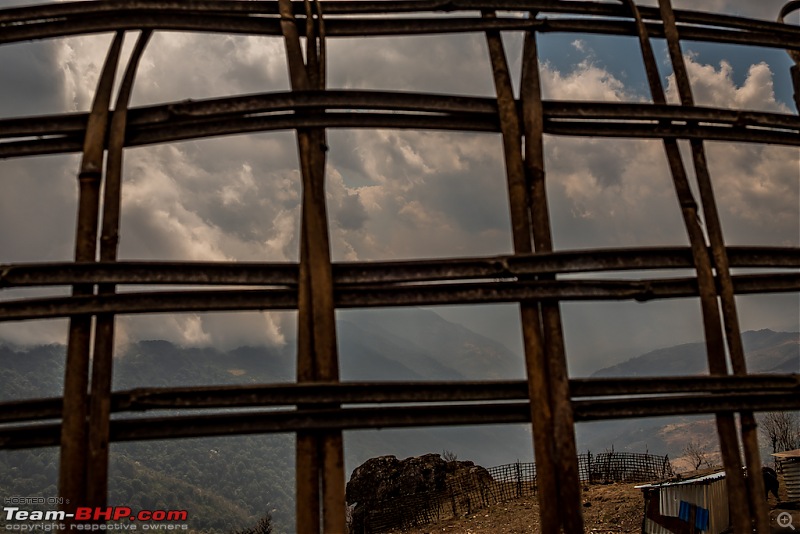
[(228, 483)]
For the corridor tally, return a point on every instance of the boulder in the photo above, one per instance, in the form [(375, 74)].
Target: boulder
[(394, 492)]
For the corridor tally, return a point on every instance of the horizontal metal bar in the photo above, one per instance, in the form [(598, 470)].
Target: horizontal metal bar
[(241, 114), (467, 123), (172, 114), (22, 15), (189, 19), (255, 422), (381, 296), (241, 396), (243, 273)]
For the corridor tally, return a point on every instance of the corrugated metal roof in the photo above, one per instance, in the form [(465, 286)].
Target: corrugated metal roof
[(791, 478), (707, 492), (703, 479), (787, 454)]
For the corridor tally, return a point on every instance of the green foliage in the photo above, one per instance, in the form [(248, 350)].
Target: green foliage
[(224, 483)]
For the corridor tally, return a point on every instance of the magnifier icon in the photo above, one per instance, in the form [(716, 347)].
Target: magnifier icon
[(785, 520)]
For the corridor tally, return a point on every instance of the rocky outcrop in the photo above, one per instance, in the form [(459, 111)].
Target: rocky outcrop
[(385, 492)]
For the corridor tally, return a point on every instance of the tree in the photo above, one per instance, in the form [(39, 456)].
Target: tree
[(697, 454), (264, 526), (782, 430), (449, 456)]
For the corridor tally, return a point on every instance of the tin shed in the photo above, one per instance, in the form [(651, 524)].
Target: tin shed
[(697, 504), (790, 464)]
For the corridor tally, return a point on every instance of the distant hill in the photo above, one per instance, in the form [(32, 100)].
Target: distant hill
[(766, 352), (230, 482)]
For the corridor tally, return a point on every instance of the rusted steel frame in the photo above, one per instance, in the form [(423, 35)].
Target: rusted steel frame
[(730, 318), (260, 422), (794, 5), (285, 274), (222, 126), (78, 25), (779, 37), (205, 397), (557, 109), (481, 123), (36, 13), (379, 296), (241, 25), (172, 113), (554, 358), (176, 113), (203, 117), (73, 461), (715, 343), (672, 131), (102, 357), (227, 126), (477, 123)]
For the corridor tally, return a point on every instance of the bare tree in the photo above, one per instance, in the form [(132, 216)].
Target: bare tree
[(782, 430), (697, 454), (449, 456)]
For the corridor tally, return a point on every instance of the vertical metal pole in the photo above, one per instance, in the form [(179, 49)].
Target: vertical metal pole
[(73, 466), (555, 457), (317, 348), (102, 361), (715, 348), (758, 506), (563, 421)]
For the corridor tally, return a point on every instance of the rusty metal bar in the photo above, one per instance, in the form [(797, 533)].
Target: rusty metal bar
[(317, 358), (73, 467), (60, 134), (327, 393), (541, 410), (715, 344), (563, 437), (308, 446), (174, 113), (102, 358), (758, 506), (315, 286), (380, 296), (40, 13), (776, 36), (258, 422), (285, 274)]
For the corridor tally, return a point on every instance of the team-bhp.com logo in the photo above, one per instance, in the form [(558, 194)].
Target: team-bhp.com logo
[(88, 518)]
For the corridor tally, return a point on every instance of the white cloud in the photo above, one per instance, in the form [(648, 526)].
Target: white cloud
[(586, 82), (716, 87), (392, 194)]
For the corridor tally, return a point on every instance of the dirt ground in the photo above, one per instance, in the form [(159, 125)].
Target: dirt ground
[(607, 509)]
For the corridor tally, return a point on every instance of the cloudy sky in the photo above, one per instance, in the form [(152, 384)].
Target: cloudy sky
[(401, 194)]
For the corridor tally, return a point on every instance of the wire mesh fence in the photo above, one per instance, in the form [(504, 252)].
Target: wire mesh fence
[(466, 492)]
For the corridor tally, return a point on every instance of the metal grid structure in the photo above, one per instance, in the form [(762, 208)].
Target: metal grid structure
[(318, 407)]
